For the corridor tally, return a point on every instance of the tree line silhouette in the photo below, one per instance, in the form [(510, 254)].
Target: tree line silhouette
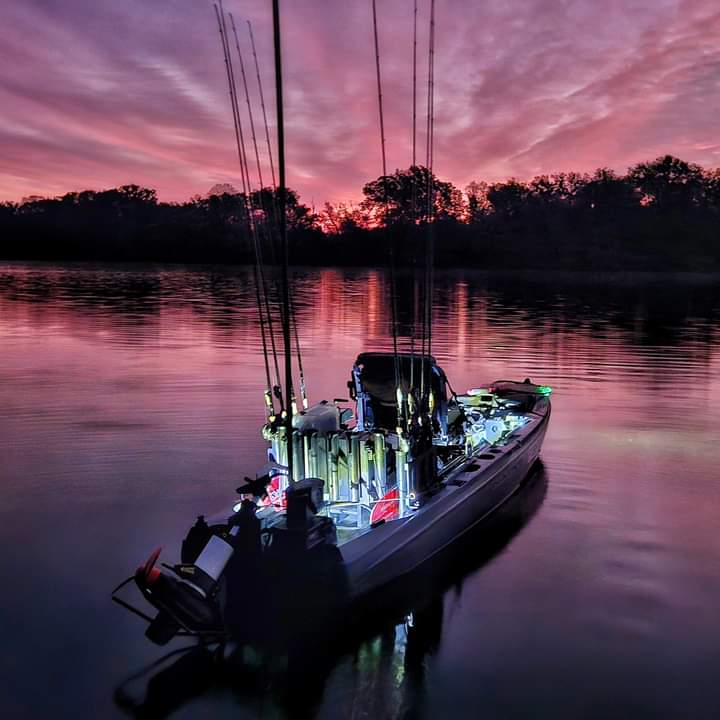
[(660, 215)]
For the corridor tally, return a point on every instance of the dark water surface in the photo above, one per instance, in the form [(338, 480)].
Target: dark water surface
[(130, 400)]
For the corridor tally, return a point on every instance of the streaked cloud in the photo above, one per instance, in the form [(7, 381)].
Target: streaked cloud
[(98, 94)]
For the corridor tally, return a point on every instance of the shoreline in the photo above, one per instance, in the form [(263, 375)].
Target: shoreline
[(533, 275)]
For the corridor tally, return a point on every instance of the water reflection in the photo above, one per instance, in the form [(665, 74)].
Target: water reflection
[(650, 308), (130, 401)]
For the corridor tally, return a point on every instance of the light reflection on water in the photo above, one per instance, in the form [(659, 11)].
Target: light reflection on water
[(130, 400)]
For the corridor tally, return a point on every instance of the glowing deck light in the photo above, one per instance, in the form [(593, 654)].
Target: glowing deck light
[(544, 389)]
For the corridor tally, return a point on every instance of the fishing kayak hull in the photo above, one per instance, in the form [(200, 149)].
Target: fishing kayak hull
[(469, 495)]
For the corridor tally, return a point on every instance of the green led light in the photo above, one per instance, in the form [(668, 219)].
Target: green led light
[(544, 389)]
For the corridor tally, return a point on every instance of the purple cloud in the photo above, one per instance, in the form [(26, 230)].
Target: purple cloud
[(99, 94)]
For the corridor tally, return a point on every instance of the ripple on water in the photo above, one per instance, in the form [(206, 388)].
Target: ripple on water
[(130, 401)]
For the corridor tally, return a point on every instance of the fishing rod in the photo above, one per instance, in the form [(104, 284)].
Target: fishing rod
[(380, 98), (247, 100), (414, 83), (260, 203), (393, 293), (272, 390), (414, 196), (282, 192), (293, 317), (268, 395), (233, 99), (430, 250), (262, 105)]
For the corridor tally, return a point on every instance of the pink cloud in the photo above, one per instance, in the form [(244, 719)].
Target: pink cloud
[(104, 94)]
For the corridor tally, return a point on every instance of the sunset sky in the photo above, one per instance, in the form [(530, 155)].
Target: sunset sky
[(95, 94)]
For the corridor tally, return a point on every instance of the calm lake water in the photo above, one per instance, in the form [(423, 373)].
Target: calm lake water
[(130, 401)]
